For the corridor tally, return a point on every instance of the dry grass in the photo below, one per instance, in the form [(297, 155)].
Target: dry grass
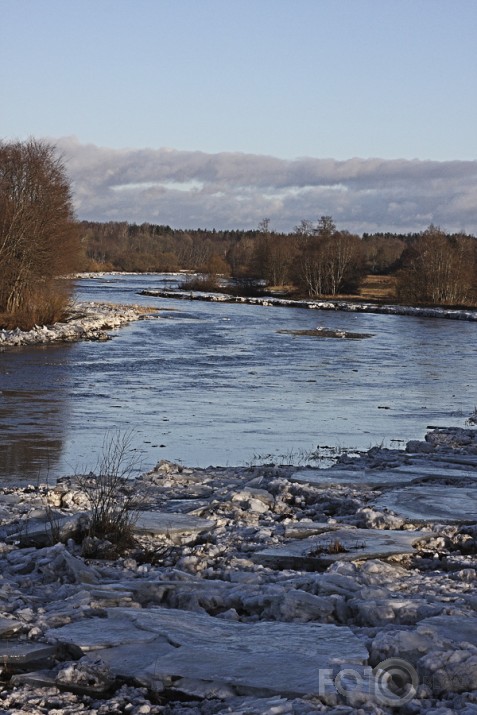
[(332, 547), (378, 288), (374, 289), (42, 307)]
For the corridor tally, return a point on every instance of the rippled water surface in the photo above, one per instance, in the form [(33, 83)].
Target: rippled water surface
[(211, 383)]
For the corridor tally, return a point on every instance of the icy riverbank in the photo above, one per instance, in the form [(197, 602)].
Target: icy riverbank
[(340, 305), (93, 321), (85, 321), (252, 591)]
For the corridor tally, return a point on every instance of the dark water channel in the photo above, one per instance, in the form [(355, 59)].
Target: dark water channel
[(211, 383)]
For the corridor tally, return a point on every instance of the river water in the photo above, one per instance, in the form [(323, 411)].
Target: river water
[(216, 383)]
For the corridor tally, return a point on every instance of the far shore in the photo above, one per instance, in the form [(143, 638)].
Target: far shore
[(93, 321), (336, 305)]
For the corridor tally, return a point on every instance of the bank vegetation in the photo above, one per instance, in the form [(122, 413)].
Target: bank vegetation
[(39, 236), (315, 260)]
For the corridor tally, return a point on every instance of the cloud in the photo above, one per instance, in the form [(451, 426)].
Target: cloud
[(191, 189)]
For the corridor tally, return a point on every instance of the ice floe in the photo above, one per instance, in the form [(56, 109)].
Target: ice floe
[(341, 305), (85, 321), (250, 590)]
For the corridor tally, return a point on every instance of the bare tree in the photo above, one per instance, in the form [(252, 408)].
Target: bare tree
[(341, 256), (264, 226), (39, 240), (438, 269), (310, 272), (304, 228), (330, 262), (382, 253), (326, 227)]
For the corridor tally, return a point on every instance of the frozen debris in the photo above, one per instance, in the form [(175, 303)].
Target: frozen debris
[(393, 475), (199, 655), (440, 503), (43, 528), (456, 629), (172, 524), (18, 655), (447, 670), (9, 626), (318, 552), (86, 321), (89, 675), (340, 305), (196, 621)]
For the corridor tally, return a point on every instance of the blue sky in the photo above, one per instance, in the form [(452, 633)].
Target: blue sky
[(190, 84)]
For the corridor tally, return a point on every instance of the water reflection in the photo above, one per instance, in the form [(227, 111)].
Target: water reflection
[(34, 412)]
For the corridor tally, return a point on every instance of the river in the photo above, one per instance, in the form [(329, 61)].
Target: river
[(217, 383)]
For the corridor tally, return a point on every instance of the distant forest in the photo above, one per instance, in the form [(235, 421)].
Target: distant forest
[(316, 259)]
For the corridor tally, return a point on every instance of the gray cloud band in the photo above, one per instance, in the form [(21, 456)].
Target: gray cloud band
[(188, 189)]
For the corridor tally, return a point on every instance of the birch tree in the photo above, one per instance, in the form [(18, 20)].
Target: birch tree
[(330, 261), (38, 234), (438, 269)]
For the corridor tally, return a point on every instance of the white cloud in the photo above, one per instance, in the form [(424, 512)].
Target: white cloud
[(190, 189)]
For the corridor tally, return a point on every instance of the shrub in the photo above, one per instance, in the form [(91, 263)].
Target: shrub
[(206, 283), (43, 304), (246, 287), (111, 492)]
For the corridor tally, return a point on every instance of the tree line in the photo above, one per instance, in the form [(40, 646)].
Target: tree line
[(41, 241), (316, 259)]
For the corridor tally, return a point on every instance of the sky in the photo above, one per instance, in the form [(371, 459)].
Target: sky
[(219, 113)]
